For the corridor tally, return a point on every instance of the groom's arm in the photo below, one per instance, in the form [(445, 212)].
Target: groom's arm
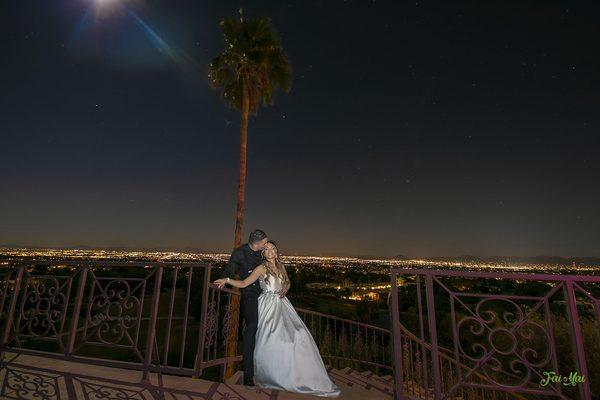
[(233, 265)]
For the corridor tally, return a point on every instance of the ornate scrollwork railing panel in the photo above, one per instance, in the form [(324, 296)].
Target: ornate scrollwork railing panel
[(488, 339), (146, 316), (216, 327), (113, 313), (43, 308)]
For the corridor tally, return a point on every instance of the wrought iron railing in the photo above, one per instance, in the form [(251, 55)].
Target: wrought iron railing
[(168, 317), (344, 342), (153, 317), (347, 343), (487, 335)]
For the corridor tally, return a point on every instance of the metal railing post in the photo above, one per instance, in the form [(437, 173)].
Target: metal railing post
[(76, 311), (433, 336), (202, 331), (422, 332), (577, 340), (398, 368), (11, 310), (152, 323)]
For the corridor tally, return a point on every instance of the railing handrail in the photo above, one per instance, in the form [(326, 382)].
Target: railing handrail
[(533, 276), (104, 263), (304, 310), (223, 289)]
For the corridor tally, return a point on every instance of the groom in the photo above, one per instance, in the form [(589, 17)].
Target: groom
[(243, 260)]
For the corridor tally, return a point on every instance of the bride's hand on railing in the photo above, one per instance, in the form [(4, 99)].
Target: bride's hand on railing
[(220, 282)]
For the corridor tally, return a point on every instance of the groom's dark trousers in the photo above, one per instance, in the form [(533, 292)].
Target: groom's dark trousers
[(243, 260)]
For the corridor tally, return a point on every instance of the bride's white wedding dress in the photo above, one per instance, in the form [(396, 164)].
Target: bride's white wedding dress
[(286, 356)]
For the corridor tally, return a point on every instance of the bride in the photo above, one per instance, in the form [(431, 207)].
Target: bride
[(286, 356)]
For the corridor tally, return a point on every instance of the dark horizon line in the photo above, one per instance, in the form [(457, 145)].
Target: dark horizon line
[(463, 257)]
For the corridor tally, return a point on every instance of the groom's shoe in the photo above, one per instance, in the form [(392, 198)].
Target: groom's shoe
[(249, 383)]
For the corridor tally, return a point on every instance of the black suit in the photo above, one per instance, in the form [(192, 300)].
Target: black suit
[(243, 260)]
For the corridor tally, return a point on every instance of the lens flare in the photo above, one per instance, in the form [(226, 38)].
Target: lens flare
[(184, 62), (98, 11), (103, 5), (79, 26), (156, 40)]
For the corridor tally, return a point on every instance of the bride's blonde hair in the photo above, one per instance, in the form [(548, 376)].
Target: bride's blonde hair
[(280, 266)]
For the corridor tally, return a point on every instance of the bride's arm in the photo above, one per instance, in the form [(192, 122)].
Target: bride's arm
[(287, 284), (258, 271)]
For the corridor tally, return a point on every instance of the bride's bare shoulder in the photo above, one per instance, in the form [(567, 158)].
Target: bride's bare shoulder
[(263, 269)]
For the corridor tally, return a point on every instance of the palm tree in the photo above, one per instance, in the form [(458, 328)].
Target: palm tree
[(249, 71)]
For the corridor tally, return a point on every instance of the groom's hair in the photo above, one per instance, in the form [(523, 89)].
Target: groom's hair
[(256, 236)]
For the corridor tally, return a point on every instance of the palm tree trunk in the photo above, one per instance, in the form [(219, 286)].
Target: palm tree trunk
[(235, 299), (241, 190)]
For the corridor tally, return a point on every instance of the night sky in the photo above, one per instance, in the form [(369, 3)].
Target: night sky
[(415, 128)]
